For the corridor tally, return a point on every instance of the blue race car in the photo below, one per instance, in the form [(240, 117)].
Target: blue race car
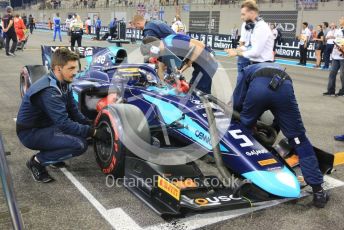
[(156, 133)]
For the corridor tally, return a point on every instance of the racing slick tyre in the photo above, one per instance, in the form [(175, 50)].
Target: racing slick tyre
[(30, 74), (121, 121)]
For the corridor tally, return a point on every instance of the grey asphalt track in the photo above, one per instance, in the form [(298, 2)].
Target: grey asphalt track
[(60, 205)]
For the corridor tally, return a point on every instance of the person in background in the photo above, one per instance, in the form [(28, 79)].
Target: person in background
[(24, 17), (98, 26), (113, 28), (337, 63), (234, 37), (313, 32), (274, 34), (57, 26), (304, 38), (76, 28), (329, 39), (19, 27), (319, 43), (8, 28), (69, 19), (50, 24), (88, 24), (178, 26), (31, 23), (326, 29)]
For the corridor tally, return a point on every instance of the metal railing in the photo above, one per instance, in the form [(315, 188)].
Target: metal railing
[(7, 186)]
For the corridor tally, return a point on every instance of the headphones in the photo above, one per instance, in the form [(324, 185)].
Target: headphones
[(250, 24)]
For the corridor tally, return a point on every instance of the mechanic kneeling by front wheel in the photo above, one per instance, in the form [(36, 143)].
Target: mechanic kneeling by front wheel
[(49, 120)]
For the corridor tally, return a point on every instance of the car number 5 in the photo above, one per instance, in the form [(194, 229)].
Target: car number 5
[(237, 134)]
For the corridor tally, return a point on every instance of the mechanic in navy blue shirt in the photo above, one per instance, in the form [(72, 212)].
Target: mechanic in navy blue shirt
[(266, 86), (49, 120), (174, 48), (153, 28), (98, 26)]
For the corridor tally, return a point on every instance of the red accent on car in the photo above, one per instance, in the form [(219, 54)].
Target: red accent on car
[(182, 86), (109, 99)]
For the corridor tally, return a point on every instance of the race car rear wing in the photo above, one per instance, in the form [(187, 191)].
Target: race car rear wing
[(95, 56)]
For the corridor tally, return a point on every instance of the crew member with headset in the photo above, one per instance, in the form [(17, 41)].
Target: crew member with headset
[(182, 46), (266, 86), (260, 38), (152, 28)]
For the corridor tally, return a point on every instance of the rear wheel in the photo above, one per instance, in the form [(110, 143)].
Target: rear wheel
[(121, 122)]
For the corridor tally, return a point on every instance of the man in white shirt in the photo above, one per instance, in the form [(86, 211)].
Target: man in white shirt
[(329, 38), (260, 42), (88, 23), (337, 63), (68, 21), (304, 38)]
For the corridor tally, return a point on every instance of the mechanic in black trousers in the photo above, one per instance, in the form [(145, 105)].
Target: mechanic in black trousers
[(153, 28), (8, 23), (49, 120), (265, 86)]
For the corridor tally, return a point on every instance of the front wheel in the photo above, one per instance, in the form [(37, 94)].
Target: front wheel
[(121, 122)]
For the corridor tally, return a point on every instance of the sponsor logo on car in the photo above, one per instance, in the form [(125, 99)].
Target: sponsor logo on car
[(267, 162), (169, 188), (202, 136), (215, 200), (256, 152)]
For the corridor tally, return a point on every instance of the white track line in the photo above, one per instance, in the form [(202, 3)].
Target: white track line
[(117, 218)]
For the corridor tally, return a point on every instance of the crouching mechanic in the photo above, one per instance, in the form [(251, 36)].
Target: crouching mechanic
[(174, 48), (266, 86), (49, 121)]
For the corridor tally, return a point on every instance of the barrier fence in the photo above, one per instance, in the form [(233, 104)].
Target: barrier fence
[(288, 48)]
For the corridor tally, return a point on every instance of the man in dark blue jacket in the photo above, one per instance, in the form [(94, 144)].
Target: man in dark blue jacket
[(176, 47), (266, 86), (49, 120), (153, 28)]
